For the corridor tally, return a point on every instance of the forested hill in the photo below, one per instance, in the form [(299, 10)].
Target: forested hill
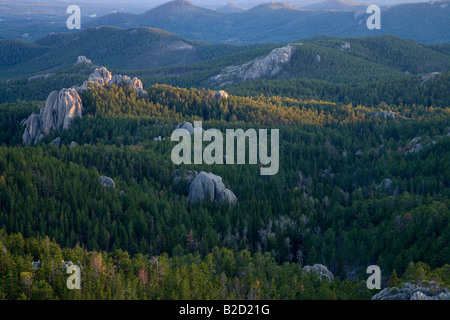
[(345, 60), (352, 66), (356, 186), (335, 163), (138, 48), (278, 22)]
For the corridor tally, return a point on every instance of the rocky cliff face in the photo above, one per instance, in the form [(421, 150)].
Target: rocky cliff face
[(209, 187), (269, 65), (102, 77), (58, 112)]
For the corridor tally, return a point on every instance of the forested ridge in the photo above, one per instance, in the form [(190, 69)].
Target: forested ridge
[(364, 174), (353, 189)]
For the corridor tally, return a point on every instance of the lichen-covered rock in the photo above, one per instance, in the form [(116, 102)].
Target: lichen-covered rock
[(321, 270), (57, 114), (209, 187)]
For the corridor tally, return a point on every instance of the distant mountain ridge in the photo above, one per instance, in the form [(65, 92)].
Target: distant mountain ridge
[(280, 22), (346, 60), (231, 7), (157, 55), (133, 49), (338, 5)]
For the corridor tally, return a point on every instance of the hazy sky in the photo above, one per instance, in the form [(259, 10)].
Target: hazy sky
[(101, 7), (209, 3)]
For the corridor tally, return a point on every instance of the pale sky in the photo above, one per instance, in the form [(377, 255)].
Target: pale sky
[(96, 8)]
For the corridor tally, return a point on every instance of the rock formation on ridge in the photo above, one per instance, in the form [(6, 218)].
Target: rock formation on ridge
[(63, 106), (57, 114), (102, 77), (269, 65)]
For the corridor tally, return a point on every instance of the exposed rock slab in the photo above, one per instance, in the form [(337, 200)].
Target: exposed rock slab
[(321, 270), (269, 65)]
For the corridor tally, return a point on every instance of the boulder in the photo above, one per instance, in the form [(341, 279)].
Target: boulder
[(57, 142), (107, 182), (209, 187), (57, 114), (83, 60), (320, 270), (221, 94), (188, 126), (345, 46)]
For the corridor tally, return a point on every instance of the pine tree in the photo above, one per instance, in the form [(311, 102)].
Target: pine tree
[(393, 280)]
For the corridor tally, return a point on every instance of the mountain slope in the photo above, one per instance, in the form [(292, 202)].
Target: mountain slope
[(345, 60), (392, 52), (132, 49)]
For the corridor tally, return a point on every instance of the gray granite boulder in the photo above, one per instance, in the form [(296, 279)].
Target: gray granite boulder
[(209, 187), (107, 182)]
